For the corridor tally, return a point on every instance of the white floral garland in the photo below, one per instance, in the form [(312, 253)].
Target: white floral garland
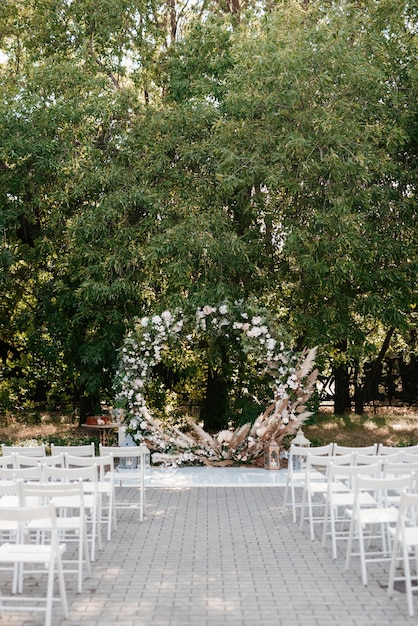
[(143, 349)]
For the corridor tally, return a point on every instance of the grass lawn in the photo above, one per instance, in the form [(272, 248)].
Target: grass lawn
[(388, 425), (395, 426)]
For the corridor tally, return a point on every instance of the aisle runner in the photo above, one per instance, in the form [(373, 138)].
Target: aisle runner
[(214, 477)]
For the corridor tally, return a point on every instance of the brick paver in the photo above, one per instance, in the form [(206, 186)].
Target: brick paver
[(215, 556)]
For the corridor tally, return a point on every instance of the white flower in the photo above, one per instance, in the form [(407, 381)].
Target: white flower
[(254, 332), (256, 320), (166, 316), (223, 309), (224, 436), (207, 310), (156, 319), (144, 322), (271, 344)]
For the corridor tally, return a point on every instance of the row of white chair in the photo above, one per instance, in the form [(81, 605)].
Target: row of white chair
[(77, 486), (298, 453), (40, 450), (366, 492), (128, 461)]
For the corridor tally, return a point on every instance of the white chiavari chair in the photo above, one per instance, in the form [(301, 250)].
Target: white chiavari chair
[(26, 450), (406, 547), (371, 522), (105, 486), (339, 449), (39, 559), (71, 521), (316, 486), (296, 473), (129, 468), (89, 478), (87, 449), (339, 503)]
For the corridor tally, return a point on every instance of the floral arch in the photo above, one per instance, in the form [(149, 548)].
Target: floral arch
[(293, 380)]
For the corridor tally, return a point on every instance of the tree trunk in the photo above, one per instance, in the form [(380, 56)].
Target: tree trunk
[(88, 406), (342, 403), (362, 390), (215, 403)]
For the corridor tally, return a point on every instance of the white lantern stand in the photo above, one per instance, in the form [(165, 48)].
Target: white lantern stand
[(272, 456), (302, 442)]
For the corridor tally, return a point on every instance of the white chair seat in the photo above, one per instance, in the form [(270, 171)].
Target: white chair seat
[(27, 553), (379, 515)]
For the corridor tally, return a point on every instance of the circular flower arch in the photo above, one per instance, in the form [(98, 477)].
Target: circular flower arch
[(150, 340)]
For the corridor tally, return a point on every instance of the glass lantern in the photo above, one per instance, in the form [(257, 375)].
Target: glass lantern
[(302, 442), (272, 456), (128, 462)]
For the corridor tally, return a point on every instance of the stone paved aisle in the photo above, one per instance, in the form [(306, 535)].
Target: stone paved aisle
[(215, 556)]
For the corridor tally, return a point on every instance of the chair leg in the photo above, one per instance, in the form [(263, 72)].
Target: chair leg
[(302, 510), (111, 514), (286, 490), (293, 496), (50, 592), (392, 568), (310, 513), (61, 584), (408, 582), (362, 554), (350, 543), (83, 555)]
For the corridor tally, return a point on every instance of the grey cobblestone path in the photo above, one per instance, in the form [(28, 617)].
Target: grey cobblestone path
[(221, 556)]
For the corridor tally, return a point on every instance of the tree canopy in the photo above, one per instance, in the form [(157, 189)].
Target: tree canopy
[(161, 155)]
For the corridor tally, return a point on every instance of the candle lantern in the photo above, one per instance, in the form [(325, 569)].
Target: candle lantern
[(301, 442), (128, 462), (145, 455), (272, 456)]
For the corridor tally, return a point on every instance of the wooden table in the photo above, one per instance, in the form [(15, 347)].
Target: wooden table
[(107, 431)]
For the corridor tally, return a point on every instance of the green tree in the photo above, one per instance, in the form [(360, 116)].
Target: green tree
[(320, 104)]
